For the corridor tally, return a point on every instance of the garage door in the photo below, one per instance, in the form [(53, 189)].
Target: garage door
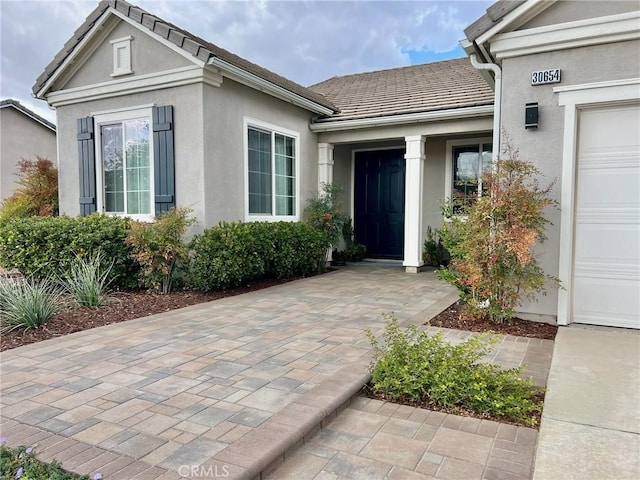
[(606, 282)]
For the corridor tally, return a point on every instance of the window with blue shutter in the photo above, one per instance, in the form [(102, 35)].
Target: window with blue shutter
[(127, 162)]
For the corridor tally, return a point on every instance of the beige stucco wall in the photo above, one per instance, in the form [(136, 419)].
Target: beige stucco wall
[(572, 10), (188, 140), (147, 56), (225, 108), (544, 144), (21, 137)]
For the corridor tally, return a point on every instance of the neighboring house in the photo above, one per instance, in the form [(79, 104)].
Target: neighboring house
[(587, 137), (23, 134), (155, 117)]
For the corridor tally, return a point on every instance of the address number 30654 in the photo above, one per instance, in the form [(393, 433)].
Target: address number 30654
[(545, 76)]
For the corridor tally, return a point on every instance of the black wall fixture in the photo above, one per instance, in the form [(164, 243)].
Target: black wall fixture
[(531, 115)]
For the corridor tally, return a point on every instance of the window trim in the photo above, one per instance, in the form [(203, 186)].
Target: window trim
[(119, 44), (451, 144), (273, 129), (108, 118)]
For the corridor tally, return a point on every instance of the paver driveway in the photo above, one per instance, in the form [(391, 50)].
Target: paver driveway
[(225, 385)]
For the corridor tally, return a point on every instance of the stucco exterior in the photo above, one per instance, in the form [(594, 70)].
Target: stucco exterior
[(21, 137), (544, 145)]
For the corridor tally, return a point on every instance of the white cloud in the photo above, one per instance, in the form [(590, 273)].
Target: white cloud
[(306, 41)]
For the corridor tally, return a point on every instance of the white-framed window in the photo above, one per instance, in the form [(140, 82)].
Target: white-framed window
[(124, 163), (121, 56), (272, 162), (467, 160)]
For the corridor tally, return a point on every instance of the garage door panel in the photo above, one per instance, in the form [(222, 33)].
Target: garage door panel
[(596, 192), (608, 301), (606, 271), (608, 243)]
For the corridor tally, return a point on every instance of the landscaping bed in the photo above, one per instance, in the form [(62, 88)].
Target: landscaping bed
[(454, 318)]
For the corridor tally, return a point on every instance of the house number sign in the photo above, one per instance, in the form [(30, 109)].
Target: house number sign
[(542, 77)]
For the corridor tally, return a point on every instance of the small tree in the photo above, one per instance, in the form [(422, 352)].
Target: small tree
[(325, 213), (37, 194), (158, 247), (491, 244)]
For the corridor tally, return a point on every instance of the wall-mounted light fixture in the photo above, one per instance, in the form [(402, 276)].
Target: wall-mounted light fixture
[(531, 115)]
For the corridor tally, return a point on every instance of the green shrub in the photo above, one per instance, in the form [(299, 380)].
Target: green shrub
[(158, 247), (48, 246), (27, 303), (290, 249), (414, 365), (225, 256), (87, 281), (233, 254), (430, 250), (21, 463)]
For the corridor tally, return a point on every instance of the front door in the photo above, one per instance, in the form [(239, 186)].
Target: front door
[(379, 202)]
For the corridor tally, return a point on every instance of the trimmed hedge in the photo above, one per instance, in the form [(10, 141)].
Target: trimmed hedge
[(233, 254), (46, 246)]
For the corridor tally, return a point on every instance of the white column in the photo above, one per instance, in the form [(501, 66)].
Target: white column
[(414, 157), (325, 164)]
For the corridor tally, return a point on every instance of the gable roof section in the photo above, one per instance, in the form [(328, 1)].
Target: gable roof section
[(431, 87), (190, 43), (495, 14), (10, 103)]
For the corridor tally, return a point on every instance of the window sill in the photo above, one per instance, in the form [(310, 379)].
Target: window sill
[(271, 218), (121, 74)]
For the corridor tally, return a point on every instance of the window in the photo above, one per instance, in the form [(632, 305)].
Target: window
[(121, 56), (272, 164), (124, 163), (469, 163), (127, 162), (126, 167)]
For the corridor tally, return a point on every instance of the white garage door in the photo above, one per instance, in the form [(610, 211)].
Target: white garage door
[(606, 282)]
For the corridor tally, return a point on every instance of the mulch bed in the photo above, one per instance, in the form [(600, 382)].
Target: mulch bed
[(453, 317), (120, 307)]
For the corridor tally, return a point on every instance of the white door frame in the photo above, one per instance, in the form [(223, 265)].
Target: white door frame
[(574, 98)]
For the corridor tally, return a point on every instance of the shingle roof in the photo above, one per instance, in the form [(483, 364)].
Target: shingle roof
[(9, 102), (189, 42), (495, 14), (430, 87)]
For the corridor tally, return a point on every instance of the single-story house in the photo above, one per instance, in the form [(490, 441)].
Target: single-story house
[(25, 134), (152, 116)]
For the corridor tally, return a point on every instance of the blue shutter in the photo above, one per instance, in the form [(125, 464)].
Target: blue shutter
[(163, 159), (87, 164)]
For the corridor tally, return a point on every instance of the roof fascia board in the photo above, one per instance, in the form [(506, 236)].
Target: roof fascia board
[(71, 58), (241, 76), (95, 33), (31, 115), (581, 33), (517, 17), (450, 114), (141, 83)]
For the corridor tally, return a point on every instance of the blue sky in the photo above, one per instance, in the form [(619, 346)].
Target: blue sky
[(305, 41)]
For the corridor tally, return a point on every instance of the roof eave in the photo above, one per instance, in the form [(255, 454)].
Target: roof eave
[(34, 116), (254, 81), (330, 125)]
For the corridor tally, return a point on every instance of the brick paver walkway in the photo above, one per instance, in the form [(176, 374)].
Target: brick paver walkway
[(222, 389)]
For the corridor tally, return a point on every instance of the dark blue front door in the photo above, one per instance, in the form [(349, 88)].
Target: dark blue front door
[(379, 202)]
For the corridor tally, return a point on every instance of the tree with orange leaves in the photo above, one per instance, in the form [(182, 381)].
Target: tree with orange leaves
[(491, 242)]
